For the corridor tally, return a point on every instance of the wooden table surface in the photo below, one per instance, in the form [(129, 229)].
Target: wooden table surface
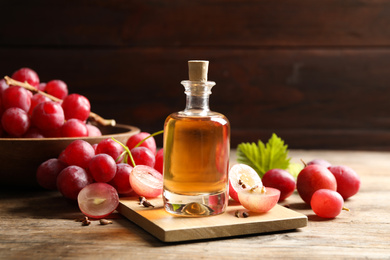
[(40, 225)]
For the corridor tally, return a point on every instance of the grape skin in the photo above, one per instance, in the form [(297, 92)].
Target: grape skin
[(56, 88), (327, 203), (48, 172), (74, 128), (281, 180), (143, 156), (72, 180), (76, 106), (26, 74), (312, 178), (348, 181), (48, 116), (159, 161), (79, 153), (15, 121), (121, 181), (110, 147), (149, 143), (15, 96), (102, 167)]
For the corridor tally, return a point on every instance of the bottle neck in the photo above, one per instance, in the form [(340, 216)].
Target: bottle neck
[(198, 93)]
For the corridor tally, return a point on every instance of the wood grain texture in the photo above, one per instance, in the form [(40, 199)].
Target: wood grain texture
[(217, 23), (170, 228), (316, 73), (40, 225)]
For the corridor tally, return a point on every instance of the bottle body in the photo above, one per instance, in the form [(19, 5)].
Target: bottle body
[(196, 152), (196, 163)]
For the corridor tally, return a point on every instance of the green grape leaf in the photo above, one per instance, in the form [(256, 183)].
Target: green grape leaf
[(263, 157)]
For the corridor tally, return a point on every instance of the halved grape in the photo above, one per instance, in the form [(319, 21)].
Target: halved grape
[(146, 181), (98, 200), (242, 177), (260, 200)]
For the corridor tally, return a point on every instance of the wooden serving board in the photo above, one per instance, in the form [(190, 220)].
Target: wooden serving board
[(169, 228)]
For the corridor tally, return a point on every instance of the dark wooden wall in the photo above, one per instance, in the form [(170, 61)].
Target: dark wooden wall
[(317, 73)]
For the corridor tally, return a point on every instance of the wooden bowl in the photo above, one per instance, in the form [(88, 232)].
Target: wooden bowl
[(21, 157)]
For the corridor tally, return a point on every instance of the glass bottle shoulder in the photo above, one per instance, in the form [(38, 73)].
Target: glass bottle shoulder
[(210, 116)]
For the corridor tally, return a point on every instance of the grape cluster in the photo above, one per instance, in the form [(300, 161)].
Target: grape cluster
[(27, 115), (96, 175)]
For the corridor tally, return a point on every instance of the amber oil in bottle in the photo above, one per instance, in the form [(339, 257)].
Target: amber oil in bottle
[(196, 152)]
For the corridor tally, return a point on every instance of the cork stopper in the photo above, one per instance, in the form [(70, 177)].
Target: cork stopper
[(198, 70)]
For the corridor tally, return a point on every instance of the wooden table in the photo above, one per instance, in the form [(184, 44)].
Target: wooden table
[(40, 225)]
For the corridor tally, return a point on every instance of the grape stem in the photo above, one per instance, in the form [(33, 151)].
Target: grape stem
[(154, 134), (126, 150), (92, 116)]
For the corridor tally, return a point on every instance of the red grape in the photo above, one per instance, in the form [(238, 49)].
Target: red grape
[(149, 143), (3, 86), (102, 167), (74, 128), (57, 88), (48, 115), (76, 106), (48, 172), (42, 86), (15, 96), (348, 181), (26, 74), (320, 162), (93, 130), (146, 181), (110, 147), (312, 178), (33, 132), (121, 181), (281, 180), (259, 200), (35, 100), (15, 121), (71, 180), (327, 203), (143, 156), (98, 200), (78, 152), (159, 161)]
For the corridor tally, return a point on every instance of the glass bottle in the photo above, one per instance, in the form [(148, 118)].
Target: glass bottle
[(196, 152)]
